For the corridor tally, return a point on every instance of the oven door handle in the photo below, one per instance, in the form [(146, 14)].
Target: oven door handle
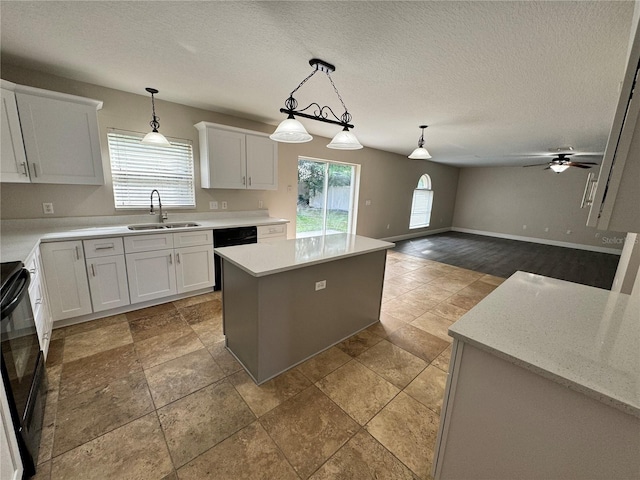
[(17, 297)]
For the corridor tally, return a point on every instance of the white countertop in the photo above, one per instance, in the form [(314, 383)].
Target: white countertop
[(262, 259), (584, 338), (18, 238)]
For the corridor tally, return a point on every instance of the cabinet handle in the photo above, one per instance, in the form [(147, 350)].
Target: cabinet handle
[(46, 336), (249, 181), (39, 301), (170, 258), (32, 271), (77, 253), (93, 269), (35, 169), (178, 257), (24, 167), (589, 189), (104, 248), (244, 180)]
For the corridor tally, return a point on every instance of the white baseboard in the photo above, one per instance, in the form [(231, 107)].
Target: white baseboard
[(422, 233), (543, 241)]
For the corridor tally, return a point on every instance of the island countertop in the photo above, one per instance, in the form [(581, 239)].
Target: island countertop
[(584, 338), (260, 259)]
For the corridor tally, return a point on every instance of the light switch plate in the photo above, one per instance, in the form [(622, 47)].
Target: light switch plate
[(47, 208), (224, 205), (321, 285)]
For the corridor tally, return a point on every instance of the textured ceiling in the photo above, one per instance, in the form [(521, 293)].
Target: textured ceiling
[(495, 81)]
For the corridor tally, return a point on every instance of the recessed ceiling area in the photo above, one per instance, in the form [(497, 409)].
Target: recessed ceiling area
[(496, 82)]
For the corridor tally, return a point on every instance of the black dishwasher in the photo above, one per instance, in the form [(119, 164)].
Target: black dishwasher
[(228, 237)]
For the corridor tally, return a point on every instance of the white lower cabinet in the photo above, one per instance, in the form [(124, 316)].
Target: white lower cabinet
[(108, 282), (39, 301), (66, 279), (161, 272), (107, 273), (151, 275), (194, 268)]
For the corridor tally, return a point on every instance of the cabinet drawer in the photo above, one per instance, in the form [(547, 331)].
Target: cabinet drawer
[(266, 231), (103, 247), (147, 243), (190, 239)]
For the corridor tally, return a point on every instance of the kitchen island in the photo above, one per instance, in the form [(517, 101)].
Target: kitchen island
[(544, 382), (284, 302)]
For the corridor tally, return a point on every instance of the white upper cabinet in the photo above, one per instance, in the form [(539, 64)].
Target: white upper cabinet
[(14, 161), (236, 158), (615, 200), (61, 137)]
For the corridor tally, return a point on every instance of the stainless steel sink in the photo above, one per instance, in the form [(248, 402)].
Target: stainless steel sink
[(160, 226), (181, 225)]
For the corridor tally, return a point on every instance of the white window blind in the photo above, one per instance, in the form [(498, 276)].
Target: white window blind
[(137, 169), (421, 204)]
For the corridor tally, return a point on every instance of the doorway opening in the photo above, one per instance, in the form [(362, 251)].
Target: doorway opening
[(327, 197)]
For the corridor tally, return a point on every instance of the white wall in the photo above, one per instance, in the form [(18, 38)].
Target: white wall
[(502, 200)]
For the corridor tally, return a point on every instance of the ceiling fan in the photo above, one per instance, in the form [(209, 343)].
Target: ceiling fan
[(562, 163)]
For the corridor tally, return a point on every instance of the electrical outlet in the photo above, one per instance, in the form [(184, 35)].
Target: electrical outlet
[(568, 232), (224, 205), (213, 205), (524, 227), (260, 203), (546, 229), (47, 208), (367, 202), (321, 285)]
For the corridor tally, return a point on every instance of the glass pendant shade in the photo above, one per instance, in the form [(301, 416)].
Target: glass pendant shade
[(420, 153), (345, 140), (291, 131), (156, 138), (558, 168)]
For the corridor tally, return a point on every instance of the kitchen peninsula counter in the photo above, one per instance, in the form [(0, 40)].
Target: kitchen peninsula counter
[(544, 382), (287, 301)]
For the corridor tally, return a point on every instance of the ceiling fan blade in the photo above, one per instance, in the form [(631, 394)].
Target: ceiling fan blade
[(536, 164), (573, 164), (548, 168), (583, 163)]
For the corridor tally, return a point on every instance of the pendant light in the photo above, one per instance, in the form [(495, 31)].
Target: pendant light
[(420, 153), (154, 137), (291, 130)]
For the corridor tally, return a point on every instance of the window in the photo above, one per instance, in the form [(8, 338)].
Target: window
[(327, 195), (422, 203), (137, 169)]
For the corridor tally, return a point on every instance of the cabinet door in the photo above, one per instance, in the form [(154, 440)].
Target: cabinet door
[(262, 163), (225, 156), (194, 268), (14, 161), (108, 282), (61, 140), (66, 279), (151, 275)]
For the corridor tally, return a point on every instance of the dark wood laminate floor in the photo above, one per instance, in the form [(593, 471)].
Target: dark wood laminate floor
[(502, 257)]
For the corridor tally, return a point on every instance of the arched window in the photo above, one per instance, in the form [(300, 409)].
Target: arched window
[(422, 203)]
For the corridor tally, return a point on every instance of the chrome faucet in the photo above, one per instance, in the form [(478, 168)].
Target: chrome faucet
[(162, 216)]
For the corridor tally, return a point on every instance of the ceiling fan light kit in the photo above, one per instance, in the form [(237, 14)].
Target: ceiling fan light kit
[(420, 153), (154, 137), (291, 130), (562, 162)]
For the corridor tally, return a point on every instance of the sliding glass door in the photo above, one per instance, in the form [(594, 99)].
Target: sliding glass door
[(326, 197)]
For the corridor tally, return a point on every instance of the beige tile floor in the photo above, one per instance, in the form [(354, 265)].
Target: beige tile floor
[(153, 394)]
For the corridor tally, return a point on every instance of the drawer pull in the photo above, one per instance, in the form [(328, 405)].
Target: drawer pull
[(33, 271), (77, 253), (170, 259), (178, 257), (105, 248), (35, 169), (39, 301), (93, 269)]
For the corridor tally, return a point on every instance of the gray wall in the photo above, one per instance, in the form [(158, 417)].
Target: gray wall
[(387, 179), (503, 199)]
